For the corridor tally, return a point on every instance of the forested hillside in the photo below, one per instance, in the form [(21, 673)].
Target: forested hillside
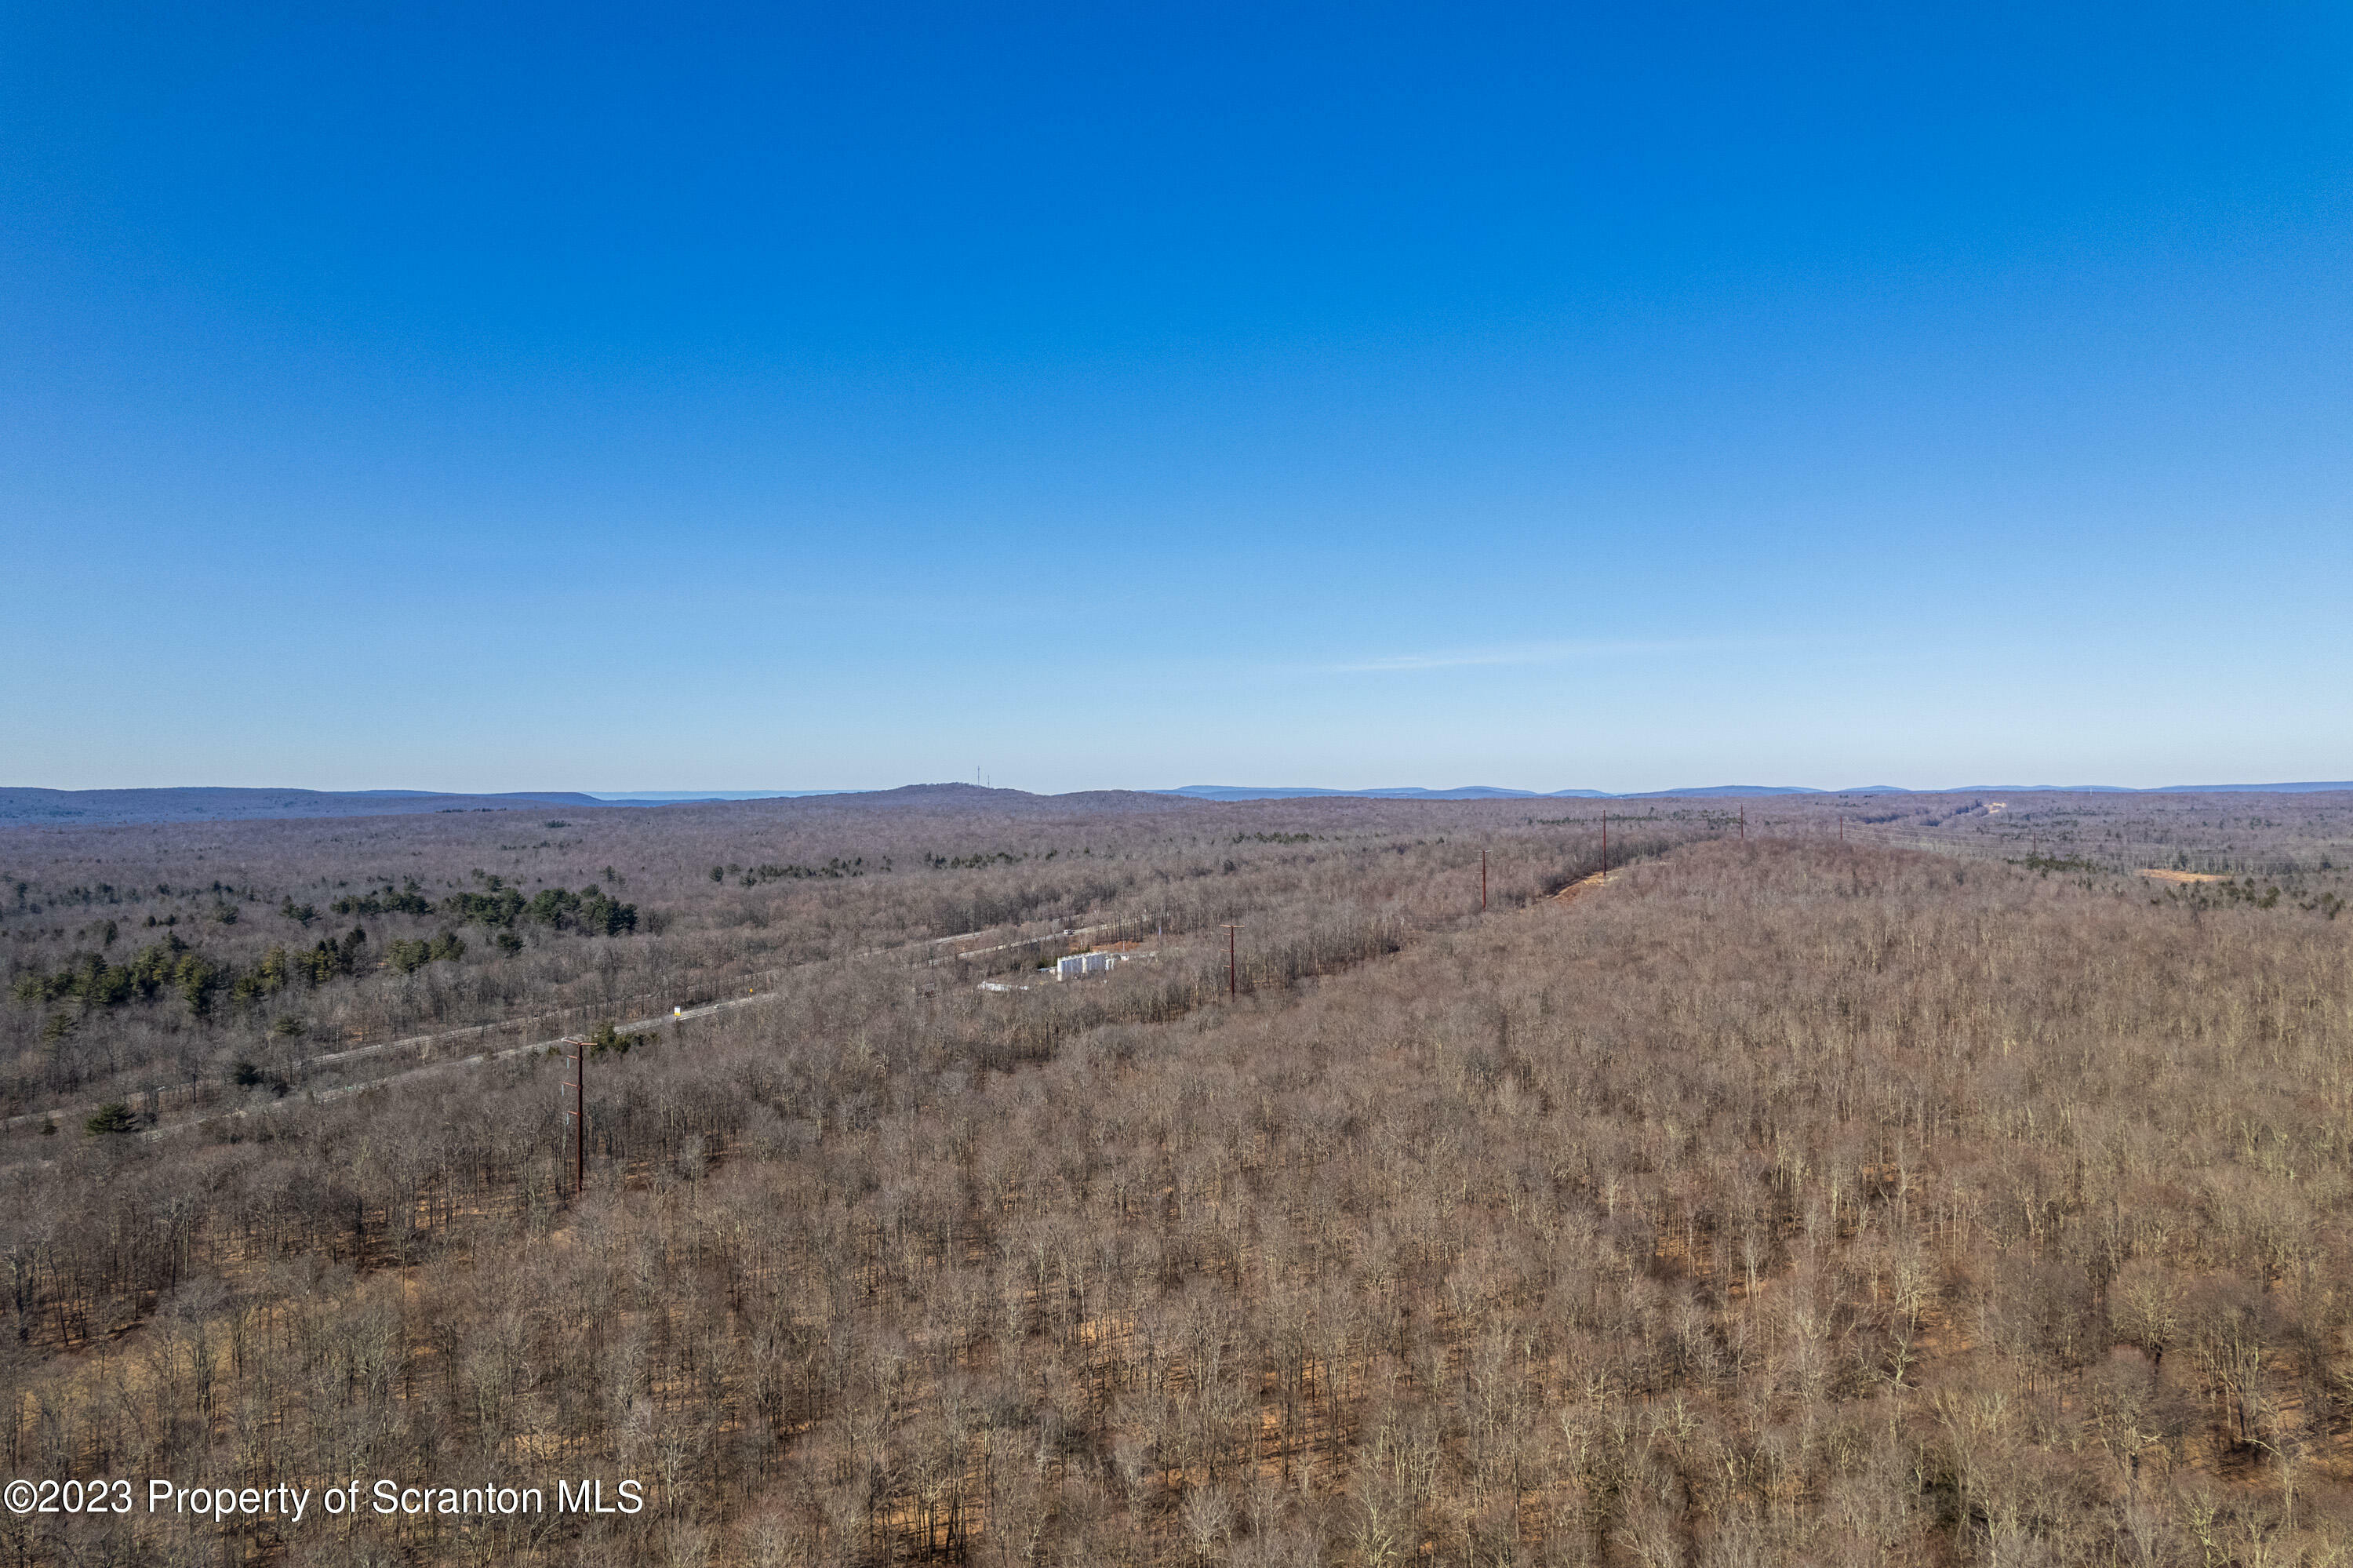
[(1779, 1199)]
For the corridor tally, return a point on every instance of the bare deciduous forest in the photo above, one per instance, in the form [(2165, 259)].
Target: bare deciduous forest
[(1894, 1179)]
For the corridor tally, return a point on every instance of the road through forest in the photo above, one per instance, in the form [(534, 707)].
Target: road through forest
[(428, 1044)]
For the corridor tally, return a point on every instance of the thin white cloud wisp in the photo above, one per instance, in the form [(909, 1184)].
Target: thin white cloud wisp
[(1518, 653)]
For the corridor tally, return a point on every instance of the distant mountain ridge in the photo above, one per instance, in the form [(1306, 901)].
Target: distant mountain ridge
[(1491, 792), (1302, 792), (24, 807), (673, 797), (1485, 792), (28, 806)]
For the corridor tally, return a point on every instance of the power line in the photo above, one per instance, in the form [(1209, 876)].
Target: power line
[(578, 1114)]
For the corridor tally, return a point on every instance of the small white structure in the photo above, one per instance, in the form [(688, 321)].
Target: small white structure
[(1079, 964)]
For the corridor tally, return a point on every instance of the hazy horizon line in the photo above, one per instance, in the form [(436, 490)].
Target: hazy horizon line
[(1205, 791)]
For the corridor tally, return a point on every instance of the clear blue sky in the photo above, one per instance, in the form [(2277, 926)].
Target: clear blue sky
[(492, 397)]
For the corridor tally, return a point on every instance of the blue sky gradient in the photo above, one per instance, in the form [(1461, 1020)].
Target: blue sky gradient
[(505, 398)]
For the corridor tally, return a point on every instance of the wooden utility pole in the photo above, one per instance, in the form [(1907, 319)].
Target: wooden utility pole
[(1483, 882), (1605, 843), (1743, 824), (577, 1114), (1233, 973)]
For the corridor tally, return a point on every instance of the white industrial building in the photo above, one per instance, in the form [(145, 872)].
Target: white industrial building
[(1079, 964)]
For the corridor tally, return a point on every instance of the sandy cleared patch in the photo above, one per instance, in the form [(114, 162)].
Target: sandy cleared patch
[(1568, 893), (2156, 874)]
